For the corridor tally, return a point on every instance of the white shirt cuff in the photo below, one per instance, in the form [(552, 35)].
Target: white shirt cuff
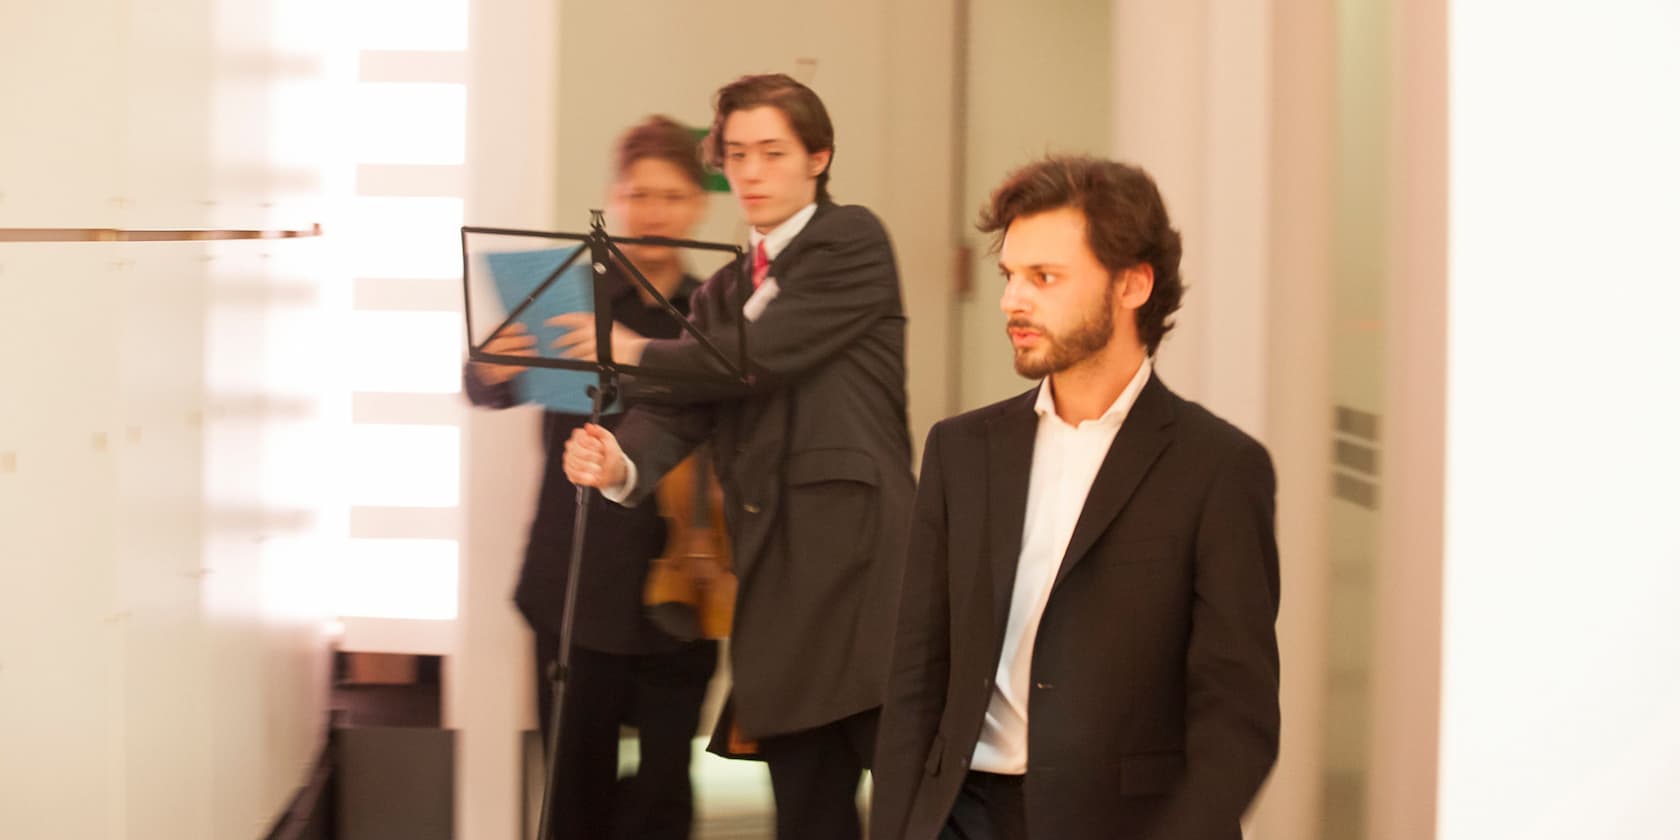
[(618, 494)]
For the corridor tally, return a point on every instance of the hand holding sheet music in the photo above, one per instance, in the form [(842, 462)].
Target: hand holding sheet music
[(517, 274), (578, 342)]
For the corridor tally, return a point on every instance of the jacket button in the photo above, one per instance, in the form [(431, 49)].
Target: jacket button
[(1044, 686), (749, 507)]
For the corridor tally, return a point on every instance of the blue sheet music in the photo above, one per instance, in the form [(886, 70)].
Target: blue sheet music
[(517, 274)]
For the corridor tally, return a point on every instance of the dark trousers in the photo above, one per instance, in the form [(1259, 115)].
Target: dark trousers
[(989, 807), (814, 775), (658, 694)]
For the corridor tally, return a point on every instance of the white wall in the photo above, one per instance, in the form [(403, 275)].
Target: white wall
[(1038, 82), (1562, 564), (162, 660)]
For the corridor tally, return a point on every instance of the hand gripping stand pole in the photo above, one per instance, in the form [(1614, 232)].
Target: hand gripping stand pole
[(603, 251)]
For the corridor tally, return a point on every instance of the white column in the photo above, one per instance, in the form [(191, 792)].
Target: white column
[(1298, 304), (1405, 663), (513, 127), (1231, 106), (1192, 86), (1161, 116), (1238, 216)]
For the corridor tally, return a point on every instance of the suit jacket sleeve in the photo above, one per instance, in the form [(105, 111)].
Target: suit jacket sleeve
[(843, 281), (1232, 716), (486, 395), (921, 659), (656, 438)]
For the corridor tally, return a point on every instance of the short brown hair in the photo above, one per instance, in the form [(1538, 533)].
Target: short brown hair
[(1126, 223), (799, 104), (662, 138)]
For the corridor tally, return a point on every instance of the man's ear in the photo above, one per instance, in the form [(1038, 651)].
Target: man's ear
[(1136, 285), (819, 162)]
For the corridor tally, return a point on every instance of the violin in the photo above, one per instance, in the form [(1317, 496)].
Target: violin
[(690, 588)]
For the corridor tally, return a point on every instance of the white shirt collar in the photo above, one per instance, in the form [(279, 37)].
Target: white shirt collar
[(782, 234), (1116, 413)]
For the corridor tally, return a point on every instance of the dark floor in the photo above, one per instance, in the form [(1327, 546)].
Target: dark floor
[(733, 797)]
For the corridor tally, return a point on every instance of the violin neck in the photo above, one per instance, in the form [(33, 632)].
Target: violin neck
[(702, 488)]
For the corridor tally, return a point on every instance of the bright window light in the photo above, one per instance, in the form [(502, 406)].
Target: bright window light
[(407, 237), (418, 238), (391, 578), (410, 352), (1560, 572), (294, 580), (409, 24), (409, 122), (403, 466)]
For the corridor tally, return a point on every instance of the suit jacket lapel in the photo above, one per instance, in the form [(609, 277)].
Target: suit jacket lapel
[(1009, 451), (796, 246), (1141, 440)]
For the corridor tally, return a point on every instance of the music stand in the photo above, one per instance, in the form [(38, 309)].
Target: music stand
[(603, 250)]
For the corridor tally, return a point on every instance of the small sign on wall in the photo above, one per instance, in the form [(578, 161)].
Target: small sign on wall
[(715, 182)]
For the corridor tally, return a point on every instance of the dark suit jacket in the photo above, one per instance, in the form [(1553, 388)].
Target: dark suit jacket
[(1154, 708), (609, 613), (814, 458)]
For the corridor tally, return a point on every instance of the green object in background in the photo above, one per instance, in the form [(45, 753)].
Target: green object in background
[(715, 182)]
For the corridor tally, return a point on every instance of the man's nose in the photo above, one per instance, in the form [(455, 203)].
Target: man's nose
[(1012, 301)]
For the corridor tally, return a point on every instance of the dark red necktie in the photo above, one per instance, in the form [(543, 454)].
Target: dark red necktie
[(761, 264)]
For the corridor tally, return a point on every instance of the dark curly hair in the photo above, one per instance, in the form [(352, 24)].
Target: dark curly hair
[(1126, 223)]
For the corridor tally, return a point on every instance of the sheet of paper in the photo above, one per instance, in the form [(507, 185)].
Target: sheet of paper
[(516, 275)]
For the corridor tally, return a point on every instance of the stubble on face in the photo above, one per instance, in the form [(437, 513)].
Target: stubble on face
[(1068, 348)]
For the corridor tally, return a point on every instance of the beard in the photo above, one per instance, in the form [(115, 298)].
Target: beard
[(1060, 351)]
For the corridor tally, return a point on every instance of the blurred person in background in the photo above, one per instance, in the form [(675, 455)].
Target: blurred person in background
[(624, 669)]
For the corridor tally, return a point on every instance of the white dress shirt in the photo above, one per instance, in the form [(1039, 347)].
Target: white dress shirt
[(1064, 464), (774, 241), (779, 236)]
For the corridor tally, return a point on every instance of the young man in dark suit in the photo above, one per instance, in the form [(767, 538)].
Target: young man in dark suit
[(1086, 644), (813, 453), (624, 670)]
